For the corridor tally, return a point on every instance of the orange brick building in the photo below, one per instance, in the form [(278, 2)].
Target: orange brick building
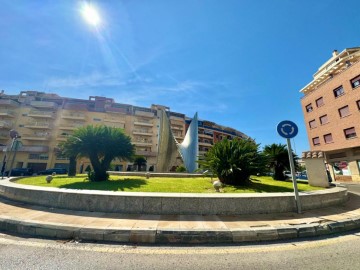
[(331, 108)]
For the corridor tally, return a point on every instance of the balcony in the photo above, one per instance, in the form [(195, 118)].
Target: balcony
[(4, 136), (115, 120), (9, 103), (43, 104), (115, 110), (143, 122), (5, 124), (38, 125), (7, 113), (145, 153), (74, 116), (142, 132), (177, 127), (41, 114), (144, 114), (34, 149), (36, 137), (207, 136), (205, 143), (114, 125), (66, 126)]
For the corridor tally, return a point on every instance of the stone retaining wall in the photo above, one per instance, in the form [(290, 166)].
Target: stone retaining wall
[(170, 203)]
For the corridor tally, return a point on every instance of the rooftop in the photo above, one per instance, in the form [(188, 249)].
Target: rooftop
[(335, 65)]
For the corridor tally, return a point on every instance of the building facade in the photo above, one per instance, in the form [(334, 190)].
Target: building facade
[(331, 108), (44, 120)]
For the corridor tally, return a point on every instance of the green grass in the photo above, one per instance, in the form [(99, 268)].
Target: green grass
[(163, 184)]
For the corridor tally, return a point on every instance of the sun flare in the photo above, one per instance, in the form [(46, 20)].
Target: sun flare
[(90, 14)]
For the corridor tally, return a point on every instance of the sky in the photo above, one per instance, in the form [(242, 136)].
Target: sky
[(239, 63)]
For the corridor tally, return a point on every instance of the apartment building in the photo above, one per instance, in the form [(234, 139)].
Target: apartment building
[(331, 108), (44, 120)]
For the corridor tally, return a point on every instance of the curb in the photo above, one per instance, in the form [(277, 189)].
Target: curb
[(178, 236)]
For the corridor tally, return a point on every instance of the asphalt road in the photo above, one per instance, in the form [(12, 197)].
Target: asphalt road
[(340, 252)]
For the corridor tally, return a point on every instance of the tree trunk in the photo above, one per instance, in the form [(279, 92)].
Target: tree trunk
[(72, 166)]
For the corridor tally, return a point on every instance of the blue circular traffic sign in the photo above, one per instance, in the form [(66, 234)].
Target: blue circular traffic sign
[(287, 129)]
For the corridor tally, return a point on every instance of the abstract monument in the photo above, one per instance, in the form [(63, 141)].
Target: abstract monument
[(169, 148)]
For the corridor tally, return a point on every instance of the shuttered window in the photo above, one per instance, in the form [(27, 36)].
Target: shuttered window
[(316, 141), (328, 138), (324, 119), (319, 102), (312, 124), (350, 133), (344, 111)]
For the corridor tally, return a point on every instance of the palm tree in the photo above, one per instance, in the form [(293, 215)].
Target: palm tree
[(278, 159), (233, 161), (101, 145)]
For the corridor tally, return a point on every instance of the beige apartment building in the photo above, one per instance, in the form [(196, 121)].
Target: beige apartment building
[(44, 120), (331, 108)]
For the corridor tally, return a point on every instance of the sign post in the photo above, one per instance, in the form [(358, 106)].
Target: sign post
[(288, 130)]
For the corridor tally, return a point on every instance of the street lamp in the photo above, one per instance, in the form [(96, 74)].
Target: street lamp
[(14, 135)]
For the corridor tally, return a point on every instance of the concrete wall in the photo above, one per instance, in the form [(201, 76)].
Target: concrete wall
[(170, 203)]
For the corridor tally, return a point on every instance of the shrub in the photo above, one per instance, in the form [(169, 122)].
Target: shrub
[(180, 169), (233, 161)]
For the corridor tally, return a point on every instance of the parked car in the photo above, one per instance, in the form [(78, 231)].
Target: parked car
[(302, 176), (288, 174), (53, 170), (20, 172)]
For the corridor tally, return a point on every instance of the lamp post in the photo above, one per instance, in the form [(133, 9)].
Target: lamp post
[(14, 135)]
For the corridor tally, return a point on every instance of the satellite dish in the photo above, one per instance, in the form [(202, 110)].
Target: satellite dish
[(13, 134)]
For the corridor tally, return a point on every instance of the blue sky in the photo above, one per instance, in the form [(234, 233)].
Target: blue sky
[(238, 63)]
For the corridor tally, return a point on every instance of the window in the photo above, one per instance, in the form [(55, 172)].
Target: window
[(350, 133), (324, 119), (328, 138), (309, 108), (344, 111), (339, 91), (355, 82), (39, 156), (319, 102), (358, 104), (316, 141), (312, 124)]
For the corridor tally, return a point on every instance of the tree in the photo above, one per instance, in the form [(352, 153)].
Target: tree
[(278, 159), (101, 145), (139, 161), (233, 161)]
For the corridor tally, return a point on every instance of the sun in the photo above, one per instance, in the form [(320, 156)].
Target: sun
[(90, 14)]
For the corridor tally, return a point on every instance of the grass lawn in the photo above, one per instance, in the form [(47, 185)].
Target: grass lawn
[(163, 184)]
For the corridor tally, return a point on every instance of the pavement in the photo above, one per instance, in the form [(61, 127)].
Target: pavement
[(25, 219)]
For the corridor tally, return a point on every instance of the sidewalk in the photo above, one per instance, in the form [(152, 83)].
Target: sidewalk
[(179, 229)]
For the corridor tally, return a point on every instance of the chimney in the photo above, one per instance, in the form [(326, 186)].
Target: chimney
[(335, 53)]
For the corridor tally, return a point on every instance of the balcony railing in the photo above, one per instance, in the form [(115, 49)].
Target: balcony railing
[(7, 113), (5, 124), (40, 114), (43, 125), (43, 104), (145, 114), (66, 126), (115, 120), (36, 137), (9, 103), (143, 123), (142, 132), (145, 153), (75, 116)]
